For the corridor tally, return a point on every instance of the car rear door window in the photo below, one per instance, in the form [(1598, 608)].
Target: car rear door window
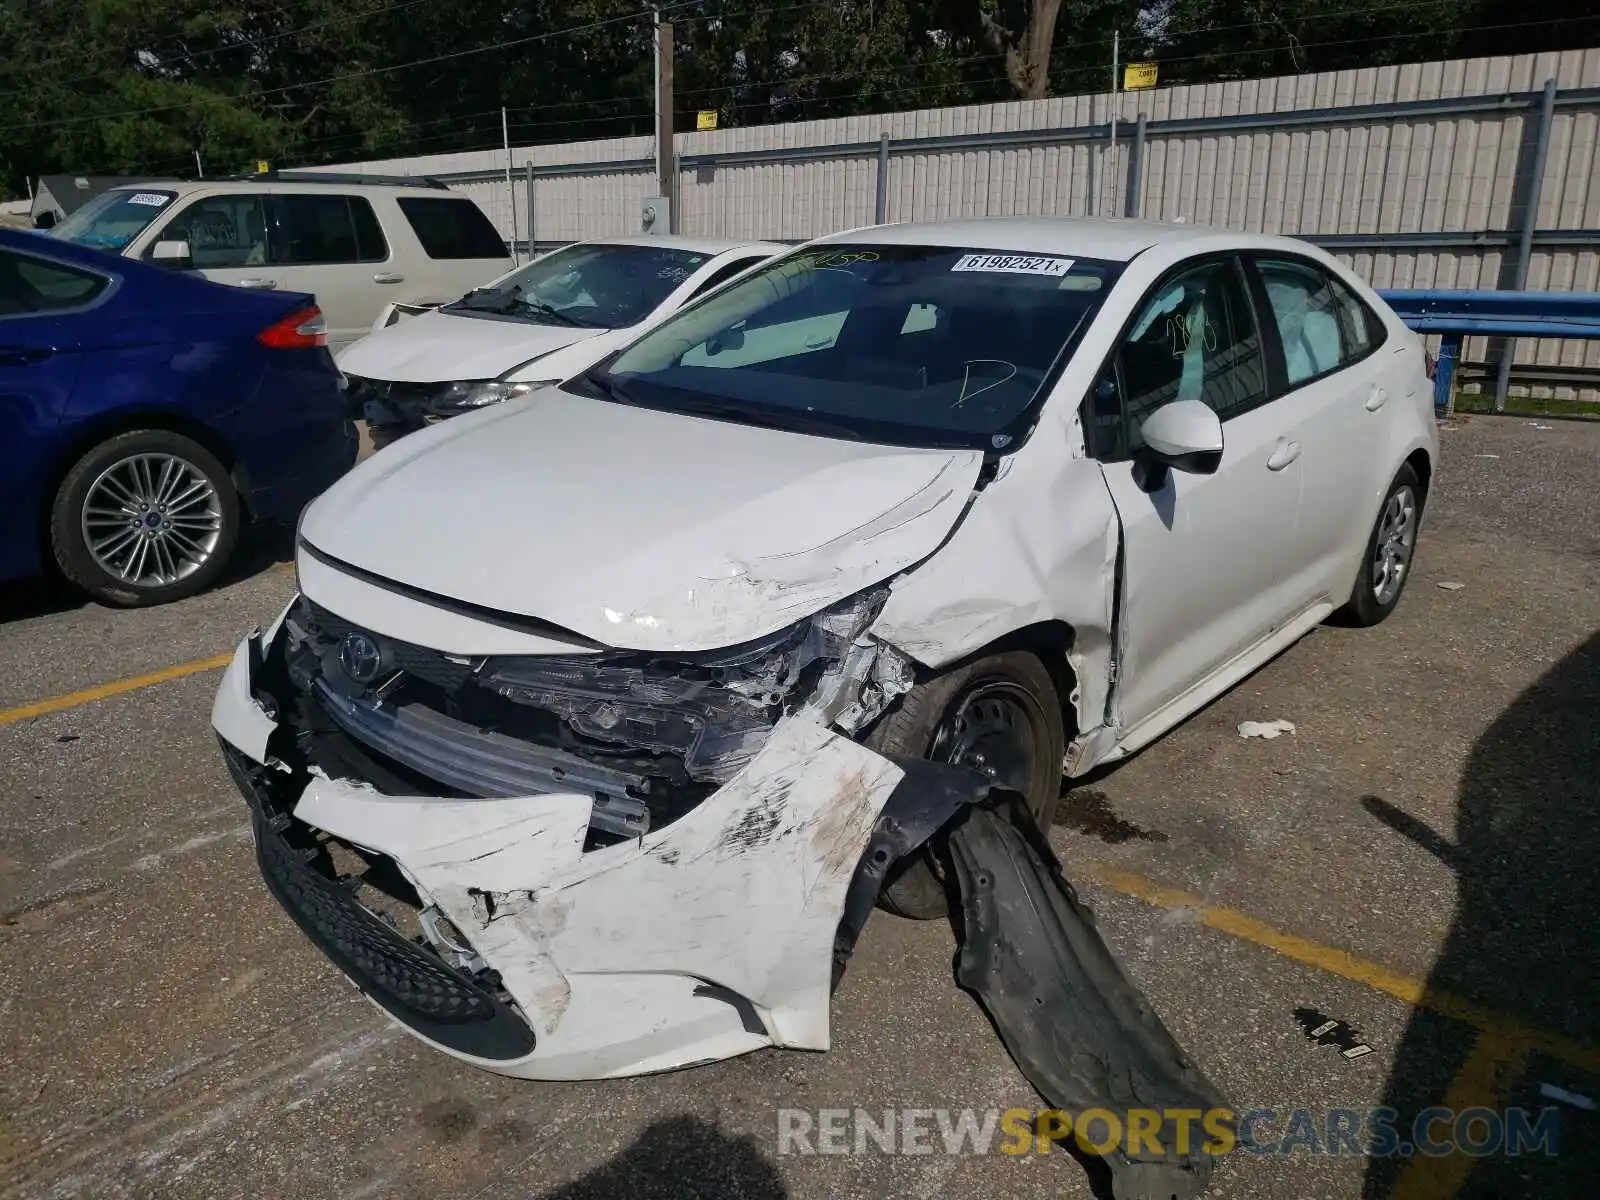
[(316, 230), (222, 231), (33, 285), (1321, 325), (1195, 338), (452, 227)]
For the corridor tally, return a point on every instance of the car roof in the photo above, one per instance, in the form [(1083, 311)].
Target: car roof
[(1112, 238), (185, 187), (697, 245)]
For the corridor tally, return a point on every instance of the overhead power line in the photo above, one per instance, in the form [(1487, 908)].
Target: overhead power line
[(451, 56)]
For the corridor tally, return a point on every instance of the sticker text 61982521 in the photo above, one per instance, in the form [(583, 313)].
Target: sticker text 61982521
[(1013, 264)]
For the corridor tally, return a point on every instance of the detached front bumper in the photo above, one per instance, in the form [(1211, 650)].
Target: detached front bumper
[(707, 938)]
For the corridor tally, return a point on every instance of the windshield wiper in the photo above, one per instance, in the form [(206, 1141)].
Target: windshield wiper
[(561, 318), (492, 300)]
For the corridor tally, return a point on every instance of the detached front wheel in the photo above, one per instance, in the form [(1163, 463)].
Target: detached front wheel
[(998, 715), (144, 518)]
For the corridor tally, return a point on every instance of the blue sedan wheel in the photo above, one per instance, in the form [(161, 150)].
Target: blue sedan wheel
[(145, 518)]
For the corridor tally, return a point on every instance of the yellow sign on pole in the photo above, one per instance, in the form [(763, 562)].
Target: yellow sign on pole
[(1138, 75), (262, 166), (705, 119)]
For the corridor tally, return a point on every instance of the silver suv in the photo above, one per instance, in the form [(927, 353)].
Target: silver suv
[(356, 242)]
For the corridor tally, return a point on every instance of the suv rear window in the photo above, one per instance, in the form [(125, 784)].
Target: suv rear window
[(452, 228), (326, 229)]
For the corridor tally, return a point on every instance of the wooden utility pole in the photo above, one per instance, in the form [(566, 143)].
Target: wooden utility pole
[(666, 158)]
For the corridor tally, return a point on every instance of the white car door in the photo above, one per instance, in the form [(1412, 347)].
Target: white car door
[(1208, 560), (1336, 390), (227, 236), (330, 244)]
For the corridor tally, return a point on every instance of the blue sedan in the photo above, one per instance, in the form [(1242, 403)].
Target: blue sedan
[(145, 415)]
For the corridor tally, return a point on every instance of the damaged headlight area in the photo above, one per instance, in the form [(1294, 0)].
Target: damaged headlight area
[(648, 736)]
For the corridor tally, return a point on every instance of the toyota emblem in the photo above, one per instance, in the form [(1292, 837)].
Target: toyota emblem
[(360, 657)]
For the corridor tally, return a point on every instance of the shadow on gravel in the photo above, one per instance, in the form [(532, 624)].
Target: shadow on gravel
[(681, 1158), (1525, 943)]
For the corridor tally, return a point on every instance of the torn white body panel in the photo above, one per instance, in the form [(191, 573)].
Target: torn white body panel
[(1006, 569), (707, 938)]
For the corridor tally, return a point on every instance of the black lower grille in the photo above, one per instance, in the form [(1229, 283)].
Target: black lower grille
[(409, 981)]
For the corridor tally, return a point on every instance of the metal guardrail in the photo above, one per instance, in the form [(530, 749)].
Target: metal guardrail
[(1455, 314)]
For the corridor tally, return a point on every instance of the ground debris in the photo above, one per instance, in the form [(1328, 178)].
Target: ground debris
[(1265, 729)]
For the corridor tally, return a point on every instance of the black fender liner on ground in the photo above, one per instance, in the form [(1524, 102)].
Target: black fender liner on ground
[(1068, 1014)]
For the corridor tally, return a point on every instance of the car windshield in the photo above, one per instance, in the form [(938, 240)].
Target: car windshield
[(594, 286), (915, 345), (113, 219)]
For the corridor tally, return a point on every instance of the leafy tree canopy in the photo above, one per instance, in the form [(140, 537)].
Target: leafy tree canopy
[(140, 86)]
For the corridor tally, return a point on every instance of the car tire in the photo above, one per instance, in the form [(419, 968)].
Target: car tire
[(975, 714), (175, 497), (1390, 551)]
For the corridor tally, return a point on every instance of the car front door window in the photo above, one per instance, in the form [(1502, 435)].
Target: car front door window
[(1194, 339), (222, 232)]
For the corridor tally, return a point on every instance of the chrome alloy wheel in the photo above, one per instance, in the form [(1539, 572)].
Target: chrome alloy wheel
[(151, 519), (1397, 537)]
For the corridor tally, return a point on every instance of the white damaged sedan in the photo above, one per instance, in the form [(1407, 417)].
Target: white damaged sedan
[(577, 747)]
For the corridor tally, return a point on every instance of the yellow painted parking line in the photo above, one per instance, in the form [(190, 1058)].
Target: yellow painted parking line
[(1504, 1029), (1485, 1080), (89, 695)]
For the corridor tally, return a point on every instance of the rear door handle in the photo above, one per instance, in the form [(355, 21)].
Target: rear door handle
[(1285, 454), (265, 285), (18, 356), (388, 277), (1377, 398)]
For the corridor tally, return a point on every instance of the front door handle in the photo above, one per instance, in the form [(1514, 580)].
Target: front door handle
[(388, 277), (264, 285), (1377, 398), (1285, 454), (18, 356)]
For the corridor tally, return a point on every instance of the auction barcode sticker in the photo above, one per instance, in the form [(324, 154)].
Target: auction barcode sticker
[(153, 199), (1014, 264)]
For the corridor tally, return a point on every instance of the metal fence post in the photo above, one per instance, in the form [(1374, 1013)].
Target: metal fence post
[(881, 210), (1444, 372), (1133, 205), (1530, 218), (531, 237)]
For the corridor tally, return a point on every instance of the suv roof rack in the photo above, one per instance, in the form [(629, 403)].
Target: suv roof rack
[(423, 181)]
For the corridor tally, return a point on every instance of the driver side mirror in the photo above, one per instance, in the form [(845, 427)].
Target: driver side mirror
[(1185, 435), (173, 254)]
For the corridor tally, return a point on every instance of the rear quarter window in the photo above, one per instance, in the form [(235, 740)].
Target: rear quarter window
[(31, 285), (452, 227)]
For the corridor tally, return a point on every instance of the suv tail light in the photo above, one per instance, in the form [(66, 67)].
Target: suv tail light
[(1429, 363), (303, 329)]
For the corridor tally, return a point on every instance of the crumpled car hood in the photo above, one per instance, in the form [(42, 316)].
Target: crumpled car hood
[(438, 347), (636, 528)]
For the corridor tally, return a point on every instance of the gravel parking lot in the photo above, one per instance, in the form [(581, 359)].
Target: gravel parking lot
[(1419, 859)]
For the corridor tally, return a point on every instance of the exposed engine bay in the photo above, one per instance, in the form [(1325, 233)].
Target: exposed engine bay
[(648, 736)]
